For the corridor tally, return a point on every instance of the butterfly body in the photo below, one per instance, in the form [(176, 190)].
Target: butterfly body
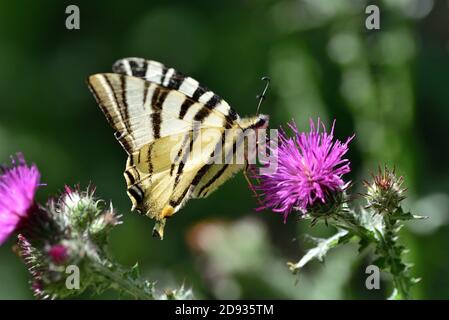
[(183, 141)]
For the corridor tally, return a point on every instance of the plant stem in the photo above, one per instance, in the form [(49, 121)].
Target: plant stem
[(392, 253), (378, 230), (387, 246), (119, 278), (349, 223)]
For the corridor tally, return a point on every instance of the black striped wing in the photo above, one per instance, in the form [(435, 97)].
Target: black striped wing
[(170, 126), (141, 111)]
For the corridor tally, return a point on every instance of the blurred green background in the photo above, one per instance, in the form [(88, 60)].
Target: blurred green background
[(389, 86)]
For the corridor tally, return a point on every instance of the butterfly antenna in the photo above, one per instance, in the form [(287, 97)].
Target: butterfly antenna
[(262, 96)]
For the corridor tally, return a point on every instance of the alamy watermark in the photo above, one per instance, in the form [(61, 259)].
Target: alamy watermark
[(72, 21), (373, 280), (72, 282), (372, 21), (231, 146)]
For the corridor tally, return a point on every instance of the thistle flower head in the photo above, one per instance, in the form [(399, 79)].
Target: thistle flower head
[(70, 230), (309, 172), (384, 193), (85, 213), (18, 185)]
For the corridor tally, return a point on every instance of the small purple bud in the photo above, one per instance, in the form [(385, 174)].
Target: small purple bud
[(58, 254)]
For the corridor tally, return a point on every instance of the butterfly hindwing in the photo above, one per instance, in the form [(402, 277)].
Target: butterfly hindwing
[(167, 172)]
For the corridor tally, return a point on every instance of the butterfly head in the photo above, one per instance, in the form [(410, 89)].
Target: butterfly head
[(257, 122), (262, 121)]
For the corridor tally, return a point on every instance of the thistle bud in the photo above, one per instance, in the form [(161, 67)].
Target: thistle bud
[(384, 193), (80, 207), (58, 253)]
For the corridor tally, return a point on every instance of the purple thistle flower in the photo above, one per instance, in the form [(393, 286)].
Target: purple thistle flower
[(18, 185), (310, 167)]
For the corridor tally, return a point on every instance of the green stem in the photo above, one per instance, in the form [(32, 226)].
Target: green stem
[(393, 257), (387, 247), (379, 230), (349, 223), (120, 279)]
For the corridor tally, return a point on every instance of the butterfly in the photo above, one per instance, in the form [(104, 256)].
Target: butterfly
[(157, 114)]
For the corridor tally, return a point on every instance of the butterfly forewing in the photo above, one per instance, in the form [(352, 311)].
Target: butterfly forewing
[(169, 78)]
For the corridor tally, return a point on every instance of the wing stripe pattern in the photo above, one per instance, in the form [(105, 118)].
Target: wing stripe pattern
[(213, 179), (188, 86), (176, 80), (184, 159), (146, 86), (199, 174), (210, 101), (136, 192), (200, 90), (123, 138), (202, 114), (124, 109), (129, 177), (157, 100), (150, 161), (156, 72), (178, 155), (114, 96), (167, 77), (206, 167), (213, 101), (164, 73), (185, 107), (184, 197), (135, 69), (239, 139)]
